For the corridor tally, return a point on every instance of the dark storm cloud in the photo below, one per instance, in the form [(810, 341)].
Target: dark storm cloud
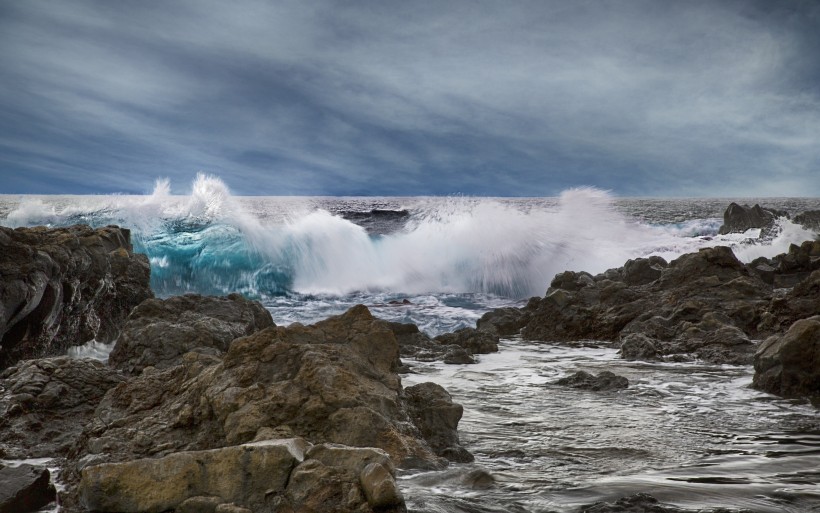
[(498, 98)]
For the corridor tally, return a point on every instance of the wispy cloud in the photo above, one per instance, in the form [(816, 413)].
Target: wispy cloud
[(644, 98)]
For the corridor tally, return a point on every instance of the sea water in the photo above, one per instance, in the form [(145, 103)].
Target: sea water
[(691, 434)]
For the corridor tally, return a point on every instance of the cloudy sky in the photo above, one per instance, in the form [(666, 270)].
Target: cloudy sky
[(645, 98)]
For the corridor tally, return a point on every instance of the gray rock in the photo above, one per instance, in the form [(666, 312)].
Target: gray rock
[(637, 346), (63, 287), (159, 331), (789, 365), (433, 411), (25, 488), (738, 219), (605, 381), (475, 341), (503, 322)]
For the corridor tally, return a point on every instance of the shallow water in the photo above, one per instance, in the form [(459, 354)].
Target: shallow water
[(690, 434)]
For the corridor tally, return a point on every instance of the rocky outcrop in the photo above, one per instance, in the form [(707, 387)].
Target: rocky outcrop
[(809, 220), (504, 322), (455, 348), (473, 340), (159, 331), (25, 489), (790, 268), (605, 381), (64, 287), (706, 305), (435, 414), (332, 382), (789, 364), (45, 404), (738, 219)]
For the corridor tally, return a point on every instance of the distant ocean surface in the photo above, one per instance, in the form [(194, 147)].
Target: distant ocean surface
[(454, 258)]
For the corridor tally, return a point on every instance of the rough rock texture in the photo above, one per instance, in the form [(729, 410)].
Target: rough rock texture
[(705, 304), (334, 381), (605, 381), (504, 322), (436, 415), (44, 404), (25, 488), (738, 219), (62, 287), (242, 475), (158, 332), (473, 340), (789, 365), (809, 220), (790, 268)]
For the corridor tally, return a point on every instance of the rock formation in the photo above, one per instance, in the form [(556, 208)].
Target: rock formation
[(158, 332), (738, 219), (605, 381), (789, 364), (65, 286), (25, 488)]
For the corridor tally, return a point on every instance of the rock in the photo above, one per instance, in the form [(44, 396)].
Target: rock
[(63, 287), (475, 341), (645, 503), (457, 355), (643, 270), (332, 382), (45, 404), (242, 475), (605, 381), (25, 488), (436, 415), (738, 219), (159, 331), (809, 220), (637, 346), (789, 365), (503, 322)]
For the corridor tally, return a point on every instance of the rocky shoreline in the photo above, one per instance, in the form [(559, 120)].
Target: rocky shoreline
[(211, 406)]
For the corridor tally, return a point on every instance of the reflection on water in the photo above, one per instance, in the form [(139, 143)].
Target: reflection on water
[(690, 434)]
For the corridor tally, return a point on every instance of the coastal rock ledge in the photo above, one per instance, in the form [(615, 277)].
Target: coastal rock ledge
[(61, 287)]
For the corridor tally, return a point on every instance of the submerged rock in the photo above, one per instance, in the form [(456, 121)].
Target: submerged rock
[(645, 503), (605, 381), (789, 364), (64, 287), (159, 331), (25, 488)]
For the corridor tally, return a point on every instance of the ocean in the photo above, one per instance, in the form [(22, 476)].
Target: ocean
[(691, 434)]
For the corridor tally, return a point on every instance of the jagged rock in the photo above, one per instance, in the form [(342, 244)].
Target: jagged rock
[(637, 346), (809, 220), (475, 341), (159, 331), (436, 415), (605, 381), (65, 286), (334, 381), (44, 404), (641, 271), (25, 488), (738, 219), (503, 322), (457, 355), (789, 365)]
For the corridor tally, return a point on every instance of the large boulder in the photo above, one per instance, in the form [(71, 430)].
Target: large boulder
[(433, 411), (159, 331), (62, 287), (471, 339), (738, 219), (45, 404), (603, 382), (503, 322), (789, 365), (334, 381), (25, 488)]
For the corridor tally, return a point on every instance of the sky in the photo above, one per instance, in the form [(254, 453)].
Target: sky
[(501, 98)]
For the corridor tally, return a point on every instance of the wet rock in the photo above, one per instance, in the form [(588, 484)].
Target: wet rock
[(45, 404), (159, 331), (738, 219), (605, 381), (241, 475), (789, 365), (475, 341), (457, 355), (64, 287), (637, 346), (25, 488), (809, 220), (504, 322), (334, 381), (645, 503), (643, 270), (436, 415)]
